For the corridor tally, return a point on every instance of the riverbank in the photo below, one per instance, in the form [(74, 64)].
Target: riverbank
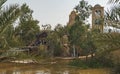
[(39, 60), (79, 63), (12, 68)]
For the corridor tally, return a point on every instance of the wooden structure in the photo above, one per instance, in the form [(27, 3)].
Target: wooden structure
[(98, 17)]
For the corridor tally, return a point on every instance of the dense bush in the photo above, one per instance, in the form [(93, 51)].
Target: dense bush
[(116, 69), (91, 63)]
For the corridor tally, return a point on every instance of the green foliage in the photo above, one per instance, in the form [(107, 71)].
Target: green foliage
[(54, 43), (116, 69), (58, 50), (88, 45), (109, 42), (1, 3), (86, 64), (78, 63), (112, 17), (91, 63), (84, 10), (106, 43), (77, 33), (27, 28), (82, 39), (55, 40), (59, 29), (10, 35), (8, 15)]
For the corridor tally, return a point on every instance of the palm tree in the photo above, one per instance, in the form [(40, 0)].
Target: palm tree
[(8, 15), (113, 1), (112, 17), (107, 42)]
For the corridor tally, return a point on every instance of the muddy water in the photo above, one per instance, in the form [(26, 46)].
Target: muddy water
[(10, 68)]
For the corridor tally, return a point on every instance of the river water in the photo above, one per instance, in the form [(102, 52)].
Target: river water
[(10, 68)]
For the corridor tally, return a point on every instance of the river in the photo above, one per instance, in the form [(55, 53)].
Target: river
[(12, 68)]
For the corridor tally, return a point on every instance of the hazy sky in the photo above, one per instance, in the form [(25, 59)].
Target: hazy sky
[(53, 11)]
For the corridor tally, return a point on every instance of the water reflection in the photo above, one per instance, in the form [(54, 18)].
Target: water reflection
[(45, 69)]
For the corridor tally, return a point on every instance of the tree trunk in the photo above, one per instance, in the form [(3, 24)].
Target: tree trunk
[(74, 51)]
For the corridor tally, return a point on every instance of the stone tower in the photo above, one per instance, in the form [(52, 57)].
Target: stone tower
[(72, 17), (98, 17)]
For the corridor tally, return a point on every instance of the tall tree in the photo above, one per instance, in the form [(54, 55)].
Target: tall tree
[(8, 15), (28, 27), (76, 36), (84, 10)]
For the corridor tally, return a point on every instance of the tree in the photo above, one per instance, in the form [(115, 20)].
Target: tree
[(8, 15), (54, 44), (84, 10), (27, 28), (59, 29), (77, 35), (88, 45), (112, 17), (106, 43)]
